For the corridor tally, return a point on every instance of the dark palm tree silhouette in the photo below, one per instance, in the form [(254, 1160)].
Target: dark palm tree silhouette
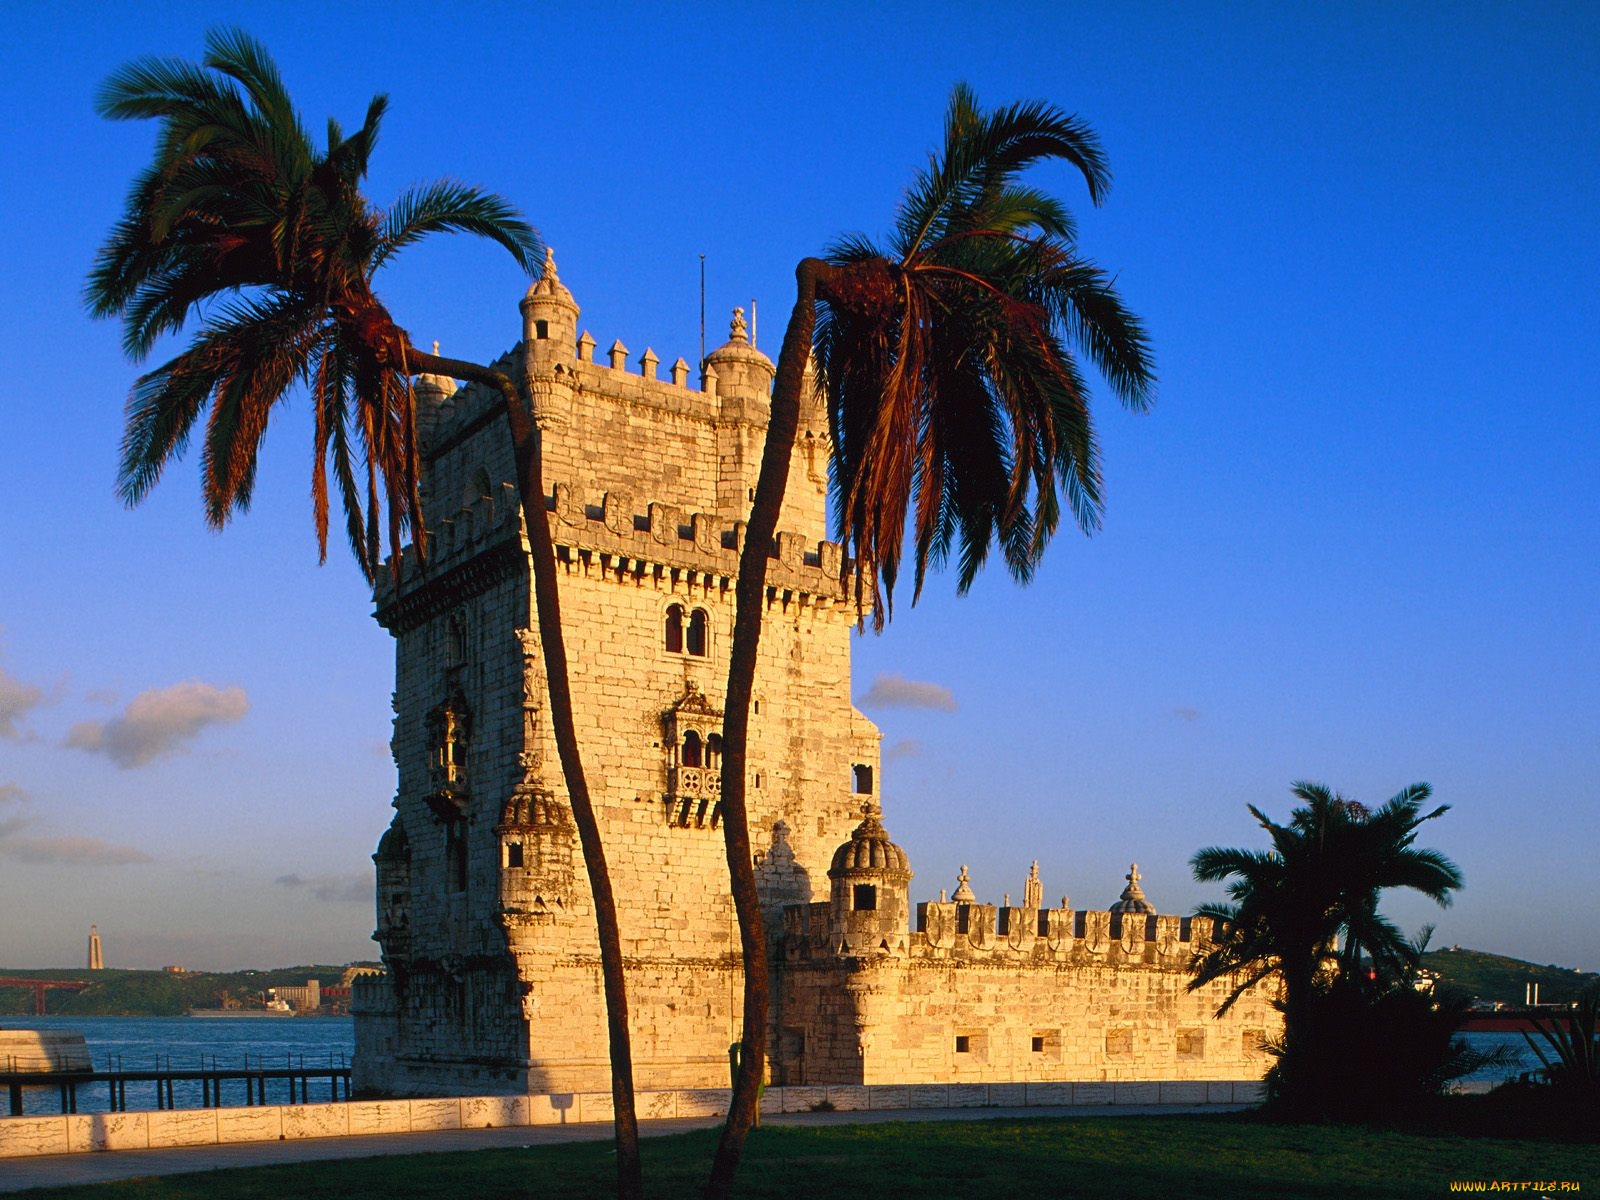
[(1306, 911), (954, 402), (242, 222)]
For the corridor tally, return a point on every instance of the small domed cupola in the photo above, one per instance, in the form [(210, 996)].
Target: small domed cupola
[(869, 907), (549, 316), (435, 397), (869, 849), (1133, 900), (743, 374)]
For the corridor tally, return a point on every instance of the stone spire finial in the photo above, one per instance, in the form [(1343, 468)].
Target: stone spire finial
[(738, 331), (436, 347), (1033, 890), (963, 888), (548, 285)]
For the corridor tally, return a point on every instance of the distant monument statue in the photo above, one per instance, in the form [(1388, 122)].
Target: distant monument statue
[(97, 960)]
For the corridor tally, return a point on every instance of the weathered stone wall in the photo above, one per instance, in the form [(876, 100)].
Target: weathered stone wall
[(976, 1008)]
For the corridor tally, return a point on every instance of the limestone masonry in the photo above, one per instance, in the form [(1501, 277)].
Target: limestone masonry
[(484, 914)]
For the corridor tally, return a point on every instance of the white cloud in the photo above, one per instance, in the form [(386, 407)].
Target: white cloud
[(159, 722), (17, 700), (896, 691), (335, 889), (11, 793)]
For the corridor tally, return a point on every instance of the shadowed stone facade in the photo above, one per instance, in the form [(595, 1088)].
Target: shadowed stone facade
[(484, 913)]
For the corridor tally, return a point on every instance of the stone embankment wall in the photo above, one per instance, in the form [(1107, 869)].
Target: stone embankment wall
[(22, 1137)]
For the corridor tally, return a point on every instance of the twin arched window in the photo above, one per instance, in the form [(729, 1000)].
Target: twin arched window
[(686, 631), (698, 753)]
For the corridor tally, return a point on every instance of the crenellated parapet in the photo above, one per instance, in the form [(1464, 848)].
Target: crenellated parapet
[(658, 541), (648, 542), (865, 918), (479, 545)]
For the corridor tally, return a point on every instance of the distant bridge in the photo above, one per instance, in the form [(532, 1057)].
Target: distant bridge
[(40, 986)]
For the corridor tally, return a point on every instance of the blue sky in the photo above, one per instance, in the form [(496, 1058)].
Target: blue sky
[(1355, 541)]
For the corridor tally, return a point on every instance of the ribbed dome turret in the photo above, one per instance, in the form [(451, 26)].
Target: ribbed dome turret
[(1133, 900), (869, 849)]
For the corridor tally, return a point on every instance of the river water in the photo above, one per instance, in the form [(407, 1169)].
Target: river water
[(184, 1043), (144, 1043)]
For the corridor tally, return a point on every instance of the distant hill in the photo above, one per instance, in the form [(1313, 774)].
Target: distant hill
[(1496, 977), (119, 993)]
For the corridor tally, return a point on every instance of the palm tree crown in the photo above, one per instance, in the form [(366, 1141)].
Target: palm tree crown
[(1318, 887), (241, 221), (953, 397)]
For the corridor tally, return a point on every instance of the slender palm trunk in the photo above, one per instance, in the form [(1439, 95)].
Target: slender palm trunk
[(530, 484), (1299, 983), (749, 608)]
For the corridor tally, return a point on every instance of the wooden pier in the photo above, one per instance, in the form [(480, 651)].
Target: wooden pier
[(298, 1078)]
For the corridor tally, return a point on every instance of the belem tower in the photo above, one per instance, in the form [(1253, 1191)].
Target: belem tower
[(483, 909)]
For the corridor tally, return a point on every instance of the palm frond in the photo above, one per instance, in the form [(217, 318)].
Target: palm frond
[(448, 206)]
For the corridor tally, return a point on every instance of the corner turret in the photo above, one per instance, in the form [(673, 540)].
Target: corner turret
[(869, 907), (743, 374), (549, 319)]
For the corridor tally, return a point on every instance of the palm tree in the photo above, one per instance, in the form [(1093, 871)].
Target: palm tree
[(954, 402), (242, 222), (1317, 888)]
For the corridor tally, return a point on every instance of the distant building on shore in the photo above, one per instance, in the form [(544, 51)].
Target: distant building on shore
[(97, 961), (301, 999)]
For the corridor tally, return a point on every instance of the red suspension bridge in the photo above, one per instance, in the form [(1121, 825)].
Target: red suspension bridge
[(40, 986)]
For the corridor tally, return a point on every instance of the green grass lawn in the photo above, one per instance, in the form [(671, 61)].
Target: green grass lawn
[(1122, 1158)]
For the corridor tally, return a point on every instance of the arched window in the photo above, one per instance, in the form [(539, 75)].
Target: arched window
[(695, 644), (457, 648), (863, 779), (714, 752), (675, 629), (691, 749), (458, 750)]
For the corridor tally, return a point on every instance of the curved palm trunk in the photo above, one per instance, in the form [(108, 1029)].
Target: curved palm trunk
[(749, 608), (530, 484)]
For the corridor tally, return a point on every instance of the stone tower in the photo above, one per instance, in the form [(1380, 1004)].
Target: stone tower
[(484, 914), (97, 960)]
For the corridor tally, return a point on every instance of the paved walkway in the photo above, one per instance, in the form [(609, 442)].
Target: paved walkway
[(65, 1170)]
